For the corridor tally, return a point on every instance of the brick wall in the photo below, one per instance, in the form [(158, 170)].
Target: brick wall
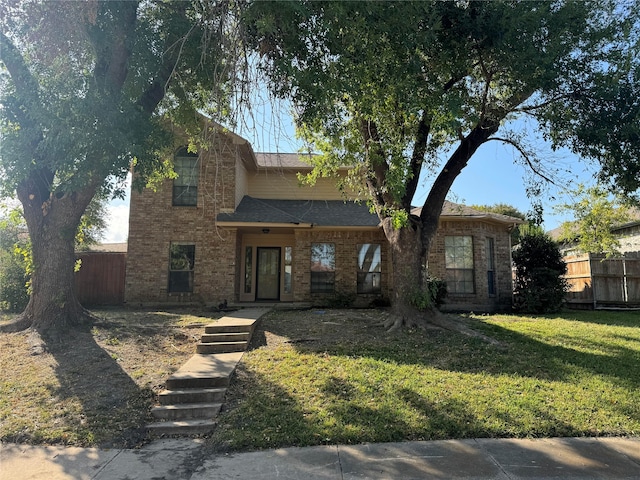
[(346, 242), (479, 231), (154, 224)]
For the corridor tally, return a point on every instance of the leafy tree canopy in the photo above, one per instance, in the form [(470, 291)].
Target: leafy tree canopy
[(596, 213), (390, 86), (397, 89), (87, 91)]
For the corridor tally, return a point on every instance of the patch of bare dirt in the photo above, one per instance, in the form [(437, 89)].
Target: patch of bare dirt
[(93, 386)]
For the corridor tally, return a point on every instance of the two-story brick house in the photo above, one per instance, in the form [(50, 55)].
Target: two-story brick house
[(237, 226)]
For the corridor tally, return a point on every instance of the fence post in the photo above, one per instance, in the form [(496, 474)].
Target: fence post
[(593, 283), (625, 289)]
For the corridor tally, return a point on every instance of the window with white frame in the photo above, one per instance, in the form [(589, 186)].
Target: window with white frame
[(459, 273), (369, 268), (185, 186), (323, 267)]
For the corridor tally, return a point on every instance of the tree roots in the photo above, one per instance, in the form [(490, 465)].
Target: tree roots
[(434, 319)]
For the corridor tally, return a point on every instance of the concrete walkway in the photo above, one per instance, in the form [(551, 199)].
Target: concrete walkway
[(191, 459)]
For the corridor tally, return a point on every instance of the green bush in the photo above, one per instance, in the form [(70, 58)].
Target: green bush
[(539, 286), (14, 294), (432, 296)]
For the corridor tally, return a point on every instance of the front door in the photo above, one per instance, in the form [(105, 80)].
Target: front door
[(268, 273)]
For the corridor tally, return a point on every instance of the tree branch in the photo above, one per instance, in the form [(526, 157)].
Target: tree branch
[(417, 158), (174, 44), (113, 44), (525, 155), (457, 161), (531, 108), (26, 84), (377, 163)]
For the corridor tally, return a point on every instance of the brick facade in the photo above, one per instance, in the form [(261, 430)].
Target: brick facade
[(220, 253), (479, 230), (154, 224)]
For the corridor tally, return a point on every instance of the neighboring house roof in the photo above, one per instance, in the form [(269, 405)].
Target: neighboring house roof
[(456, 211), (335, 213), (634, 220)]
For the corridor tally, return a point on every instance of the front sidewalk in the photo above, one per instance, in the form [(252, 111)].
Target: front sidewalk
[(190, 459)]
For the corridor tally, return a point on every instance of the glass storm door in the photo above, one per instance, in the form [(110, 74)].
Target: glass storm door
[(268, 273)]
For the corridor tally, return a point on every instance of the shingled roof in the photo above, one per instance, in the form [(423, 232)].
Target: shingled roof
[(456, 210), (334, 213)]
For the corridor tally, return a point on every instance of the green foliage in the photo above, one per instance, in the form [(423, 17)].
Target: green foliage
[(501, 209), (387, 88), (509, 210), (15, 262), (75, 111), (431, 296), (539, 286), (596, 212)]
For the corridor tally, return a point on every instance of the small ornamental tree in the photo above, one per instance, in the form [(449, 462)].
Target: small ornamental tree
[(539, 285)]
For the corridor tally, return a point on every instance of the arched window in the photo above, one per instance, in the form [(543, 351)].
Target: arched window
[(185, 187)]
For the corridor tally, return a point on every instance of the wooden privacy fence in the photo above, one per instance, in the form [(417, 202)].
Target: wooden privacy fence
[(599, 282), (100, 280)]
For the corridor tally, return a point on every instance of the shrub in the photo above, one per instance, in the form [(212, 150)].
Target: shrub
[(341, 298), (539, 286), (431, 296), (14, 294)]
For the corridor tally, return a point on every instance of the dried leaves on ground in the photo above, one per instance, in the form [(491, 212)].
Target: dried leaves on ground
[(93, 386)]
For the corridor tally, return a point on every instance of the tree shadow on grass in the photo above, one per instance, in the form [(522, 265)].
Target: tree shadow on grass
[(114, 410), (520, 355), (570, 360)]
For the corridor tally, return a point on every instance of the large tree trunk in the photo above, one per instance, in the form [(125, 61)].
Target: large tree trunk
[(405, 245), (52, 222)]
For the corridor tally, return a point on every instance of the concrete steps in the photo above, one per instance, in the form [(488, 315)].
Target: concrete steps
[(194, 394), (186, 411), (221, 347)]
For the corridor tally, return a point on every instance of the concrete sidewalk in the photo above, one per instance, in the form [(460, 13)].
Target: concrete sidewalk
[(190, 459)]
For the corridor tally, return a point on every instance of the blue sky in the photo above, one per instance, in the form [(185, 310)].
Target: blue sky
[(492, 175)]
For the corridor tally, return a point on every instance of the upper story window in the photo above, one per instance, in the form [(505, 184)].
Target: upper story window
[(458, 262), (369, 268), (323, 267), (185, 187)]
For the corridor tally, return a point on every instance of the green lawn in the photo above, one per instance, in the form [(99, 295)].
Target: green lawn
[(333, 377)]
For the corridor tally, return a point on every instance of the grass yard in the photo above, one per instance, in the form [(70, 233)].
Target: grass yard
[(95, 387), (321, 377)]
